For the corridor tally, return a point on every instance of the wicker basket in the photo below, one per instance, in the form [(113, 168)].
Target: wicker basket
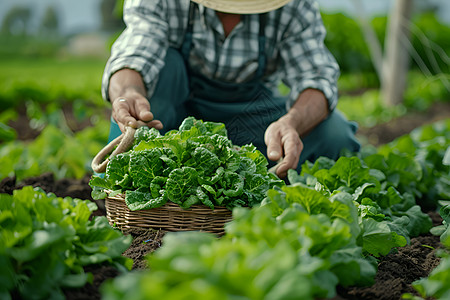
[(169, 217)]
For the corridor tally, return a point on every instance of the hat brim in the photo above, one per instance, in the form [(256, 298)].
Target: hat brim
[(243, 6)]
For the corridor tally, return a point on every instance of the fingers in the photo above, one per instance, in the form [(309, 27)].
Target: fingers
[(272, 138), (127, 111), (121, 112), (142, 109), (293, 147), (283, 140)]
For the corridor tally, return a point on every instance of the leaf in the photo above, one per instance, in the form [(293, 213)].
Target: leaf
[(204, 198), (181, 184), (157, 186), (350, 171), (255, 188), (313, 201), (144, 166), (117, 168), (216, 128), (137, 200), (145, 133), (446, 160), (204, 161), (378, 239), (233, 184)]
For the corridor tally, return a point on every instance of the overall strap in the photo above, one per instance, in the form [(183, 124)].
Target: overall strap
[(187, 43), (262, 60)]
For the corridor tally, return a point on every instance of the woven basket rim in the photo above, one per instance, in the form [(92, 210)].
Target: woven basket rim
[(168, 217)]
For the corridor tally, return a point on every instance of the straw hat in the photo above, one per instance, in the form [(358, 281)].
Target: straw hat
[(243, 6)]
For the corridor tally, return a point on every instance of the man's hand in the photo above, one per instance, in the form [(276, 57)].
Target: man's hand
[(283, 141), (129, 104), (128, 110), (283, 137)]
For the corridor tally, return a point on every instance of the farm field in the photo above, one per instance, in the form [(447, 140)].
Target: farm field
[(371, 225), (396, 271)]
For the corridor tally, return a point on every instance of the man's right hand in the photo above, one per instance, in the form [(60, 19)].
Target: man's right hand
[(129, 104), (128, 110)]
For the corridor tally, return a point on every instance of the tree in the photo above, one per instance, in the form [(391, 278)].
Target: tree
[(16, 21), (50, 21), (392, 66), (397, 58)]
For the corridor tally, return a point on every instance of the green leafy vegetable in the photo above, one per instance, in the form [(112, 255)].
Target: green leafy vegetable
[(45, 241), (196, 164)]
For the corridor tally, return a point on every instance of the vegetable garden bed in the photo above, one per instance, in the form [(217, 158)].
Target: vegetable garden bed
[(395, 274)]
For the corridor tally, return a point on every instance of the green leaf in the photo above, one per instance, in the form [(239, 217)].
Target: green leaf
[(117, 168), (7, 133), (446, 160), (350, 171), (255, 187), (137, 200), (144, 166), (378, 238), (145, 133), (313, 201), (204, 161), (181, 184), (233, 184)]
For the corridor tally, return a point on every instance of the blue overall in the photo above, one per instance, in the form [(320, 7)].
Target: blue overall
[(246, 109)]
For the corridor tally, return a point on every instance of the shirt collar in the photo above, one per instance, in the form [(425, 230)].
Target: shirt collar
[(209, 16)]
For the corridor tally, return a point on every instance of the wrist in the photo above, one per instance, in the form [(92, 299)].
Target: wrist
[(126, 83), (308, 111)]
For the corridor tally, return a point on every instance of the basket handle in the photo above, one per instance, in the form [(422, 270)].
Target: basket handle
[(123, 143)]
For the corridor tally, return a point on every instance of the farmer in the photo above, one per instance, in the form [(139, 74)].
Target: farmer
[(223, 61)]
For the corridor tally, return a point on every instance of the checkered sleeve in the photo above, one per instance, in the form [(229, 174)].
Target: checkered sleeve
[(306, 61), (142, 45)]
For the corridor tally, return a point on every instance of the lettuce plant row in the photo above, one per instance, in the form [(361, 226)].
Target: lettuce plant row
[(326, 228), (46, 241)]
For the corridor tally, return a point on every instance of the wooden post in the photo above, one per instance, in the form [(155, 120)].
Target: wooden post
[(396, 58), (375, 49)]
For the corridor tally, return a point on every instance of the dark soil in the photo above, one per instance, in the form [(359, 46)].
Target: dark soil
[(387, 132), (395, 273), (398, 270)]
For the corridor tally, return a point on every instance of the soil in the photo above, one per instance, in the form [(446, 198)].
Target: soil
[(387, 132), (396, 271)]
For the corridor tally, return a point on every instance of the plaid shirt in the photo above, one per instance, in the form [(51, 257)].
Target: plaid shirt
[(295, 51)]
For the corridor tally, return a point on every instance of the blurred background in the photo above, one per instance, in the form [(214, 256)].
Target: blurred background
[(394, 58)]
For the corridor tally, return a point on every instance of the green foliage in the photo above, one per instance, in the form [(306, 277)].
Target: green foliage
[(35, 47), (368, 108), (345, 40), (422, 91), (196, 164), (45, 241), (49, 80), (387, 218), (7, 133), (427, 147), (303, 240), (294, 255), (386, 184), (65, 154)]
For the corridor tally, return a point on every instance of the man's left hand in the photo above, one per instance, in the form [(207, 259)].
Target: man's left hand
[(283, 142)]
